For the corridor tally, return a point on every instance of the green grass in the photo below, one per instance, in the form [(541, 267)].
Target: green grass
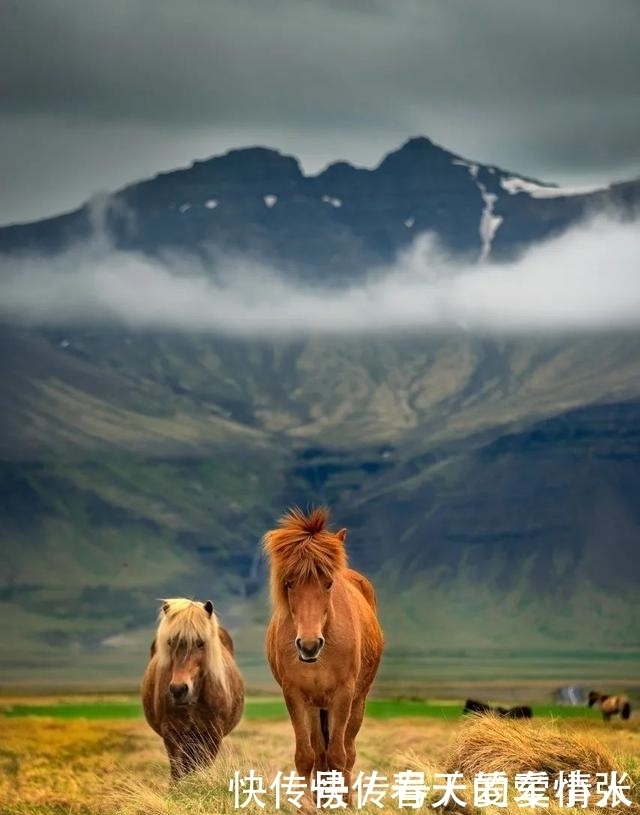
[(398, 708), (274, 709), (77, 710)]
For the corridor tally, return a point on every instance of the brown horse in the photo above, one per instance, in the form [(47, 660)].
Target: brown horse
[(610, 705), (192, 691), (323, 643)]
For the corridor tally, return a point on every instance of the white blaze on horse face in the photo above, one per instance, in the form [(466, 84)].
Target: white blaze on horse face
[(309, 607)]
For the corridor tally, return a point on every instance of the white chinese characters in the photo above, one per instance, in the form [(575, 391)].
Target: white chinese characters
[(409, 789)]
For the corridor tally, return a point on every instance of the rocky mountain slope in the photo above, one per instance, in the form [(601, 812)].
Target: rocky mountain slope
[(490, 485)]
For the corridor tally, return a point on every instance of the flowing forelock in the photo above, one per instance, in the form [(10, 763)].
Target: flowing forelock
[(186, 622), (301, 548)]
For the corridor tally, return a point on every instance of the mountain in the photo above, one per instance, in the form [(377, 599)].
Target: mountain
[(490, 484), (335, 225)]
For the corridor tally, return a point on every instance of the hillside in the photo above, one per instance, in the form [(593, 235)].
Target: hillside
[(490, 485)]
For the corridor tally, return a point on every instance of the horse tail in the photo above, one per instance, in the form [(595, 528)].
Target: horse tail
[(626, 711), (324, 726)]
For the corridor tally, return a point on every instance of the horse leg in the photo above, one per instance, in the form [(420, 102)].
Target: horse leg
[(197, 753), (202, 749), (317, 741), (304, 756), (338, 717), (176, 765), (192, 759), (353, 728), (210, 749)]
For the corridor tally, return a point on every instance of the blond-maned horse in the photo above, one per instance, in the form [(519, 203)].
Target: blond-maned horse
[(610, 705), (192, 690), (323, 643)]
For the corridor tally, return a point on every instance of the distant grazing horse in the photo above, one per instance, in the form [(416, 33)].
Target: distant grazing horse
[(610, 705), (518, 712), (473, 706), (192, 691), (324, 642)]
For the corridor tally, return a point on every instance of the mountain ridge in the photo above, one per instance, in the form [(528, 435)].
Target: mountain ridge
[(471, 470), (258, 202)]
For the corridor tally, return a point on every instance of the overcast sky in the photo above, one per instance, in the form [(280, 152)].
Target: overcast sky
[(97, 94)]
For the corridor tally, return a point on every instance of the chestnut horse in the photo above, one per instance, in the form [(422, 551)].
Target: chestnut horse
[(192, 690), (610, 705), (324, 642)]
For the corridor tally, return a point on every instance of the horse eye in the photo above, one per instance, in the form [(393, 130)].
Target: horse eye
[(288, 584), (199, 643), (329, 584)]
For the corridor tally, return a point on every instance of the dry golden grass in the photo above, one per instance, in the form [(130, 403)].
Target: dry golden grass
[(78, 767), (488, 744)]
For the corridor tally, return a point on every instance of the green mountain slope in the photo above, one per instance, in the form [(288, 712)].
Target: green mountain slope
[(141, 469)]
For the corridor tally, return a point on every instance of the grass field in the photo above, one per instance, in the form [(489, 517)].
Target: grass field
[(265, 709), (97, 756)]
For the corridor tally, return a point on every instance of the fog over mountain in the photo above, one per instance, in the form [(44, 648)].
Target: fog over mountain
[(556, 285)]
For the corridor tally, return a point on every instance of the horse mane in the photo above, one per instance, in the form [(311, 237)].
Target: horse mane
[(301, 548), (187, 621)]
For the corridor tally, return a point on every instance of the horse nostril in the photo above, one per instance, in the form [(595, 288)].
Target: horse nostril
[(178, 691), (308, 650)]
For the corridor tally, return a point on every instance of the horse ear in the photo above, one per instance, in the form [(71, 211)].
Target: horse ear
[(341, 535), (165, 607), (208, 607)]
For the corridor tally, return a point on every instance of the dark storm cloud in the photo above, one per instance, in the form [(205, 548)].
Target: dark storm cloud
[(235, 61), (546, 88)]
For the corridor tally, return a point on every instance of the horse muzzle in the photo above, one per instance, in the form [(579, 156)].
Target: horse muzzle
[(308, 651), (179, 693)]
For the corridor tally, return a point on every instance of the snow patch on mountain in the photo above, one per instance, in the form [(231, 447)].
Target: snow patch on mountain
[(473, 168), (489, 222), (513, 185)]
